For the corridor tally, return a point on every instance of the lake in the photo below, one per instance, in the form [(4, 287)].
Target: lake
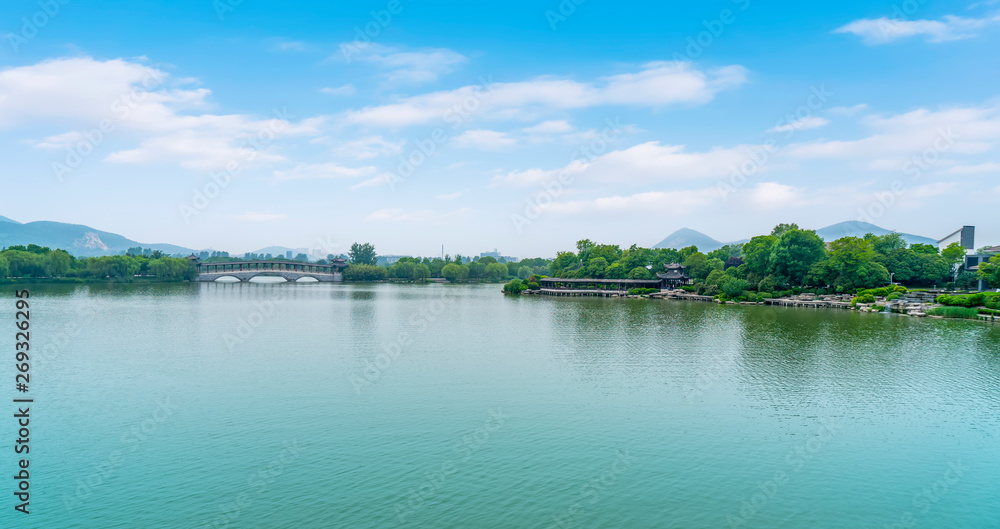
[(452, 406)]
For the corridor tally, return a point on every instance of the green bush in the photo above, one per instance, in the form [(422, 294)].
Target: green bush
[(514, 287), (991, 312), (894, 295), (765, 295), (954, 312), (863, 298), (967, 300), (883, 291), (532, 285)]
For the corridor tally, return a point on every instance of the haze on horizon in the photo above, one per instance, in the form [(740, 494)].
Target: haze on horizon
[(522, 127)]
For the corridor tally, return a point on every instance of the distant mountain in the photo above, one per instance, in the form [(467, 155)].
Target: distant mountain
[(76, 239), (5, 219), (685, 237), (854, 228), (279, 251)]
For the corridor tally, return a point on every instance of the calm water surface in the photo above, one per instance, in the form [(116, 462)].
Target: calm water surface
[(372, 406)]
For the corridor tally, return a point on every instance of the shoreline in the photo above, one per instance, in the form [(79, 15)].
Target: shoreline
[(915, 305)]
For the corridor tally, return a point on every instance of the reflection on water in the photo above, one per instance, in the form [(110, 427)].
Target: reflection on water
[(708, 401)]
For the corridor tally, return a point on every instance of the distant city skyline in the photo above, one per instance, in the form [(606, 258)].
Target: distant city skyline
[(524, 126)]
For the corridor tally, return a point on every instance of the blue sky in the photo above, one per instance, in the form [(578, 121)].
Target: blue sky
[(522, 126)]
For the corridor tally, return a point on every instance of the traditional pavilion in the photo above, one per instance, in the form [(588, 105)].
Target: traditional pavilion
[(674, 277)]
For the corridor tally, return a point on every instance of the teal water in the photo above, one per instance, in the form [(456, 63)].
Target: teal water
[(371, 406)]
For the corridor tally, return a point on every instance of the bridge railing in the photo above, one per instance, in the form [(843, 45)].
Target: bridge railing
[(268, 266)]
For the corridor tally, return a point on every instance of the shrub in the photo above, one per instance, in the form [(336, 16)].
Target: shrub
[(363, 272), (532, 285), (962, 300), (765, 295), (514, 287), (894, 295), (863, 298), (954, 312)]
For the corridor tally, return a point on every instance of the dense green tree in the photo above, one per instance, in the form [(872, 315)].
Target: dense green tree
[(563, 262), (595, 267), (454, 272), (365, 272), (57, 263), (886, 244), (610, 252), (639, 272), (954, 253), (780, 229), (715, 277), (523, 272), (489, 259), (495, 272), (990, 271), (362, 254), (4, 267), (583, 249), (615, 271), (733, 287), (793, 255), (421, 272), (924, 248), (757, 255), (686, 252), (851, 265), (697, 266), (477, 270)]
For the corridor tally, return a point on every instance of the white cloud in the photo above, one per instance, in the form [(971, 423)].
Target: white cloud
[(988, 167), (346, 90), (141, 103), (774, 195), (399, 215), (885, 30), (451, 196), (657, 84), (375, 181), (849, 111), (646, 162), (813, 122), (550, 127), (404, 67), (259, 217), (288, 45), (322, 171), (369, 147), (483, 139), (661, 202), (898, 138)]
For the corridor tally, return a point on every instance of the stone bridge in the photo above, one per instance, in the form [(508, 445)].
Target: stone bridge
[(289, 270)]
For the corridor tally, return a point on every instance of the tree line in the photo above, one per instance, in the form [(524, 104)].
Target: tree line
[(786, 259), (36, 262)]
